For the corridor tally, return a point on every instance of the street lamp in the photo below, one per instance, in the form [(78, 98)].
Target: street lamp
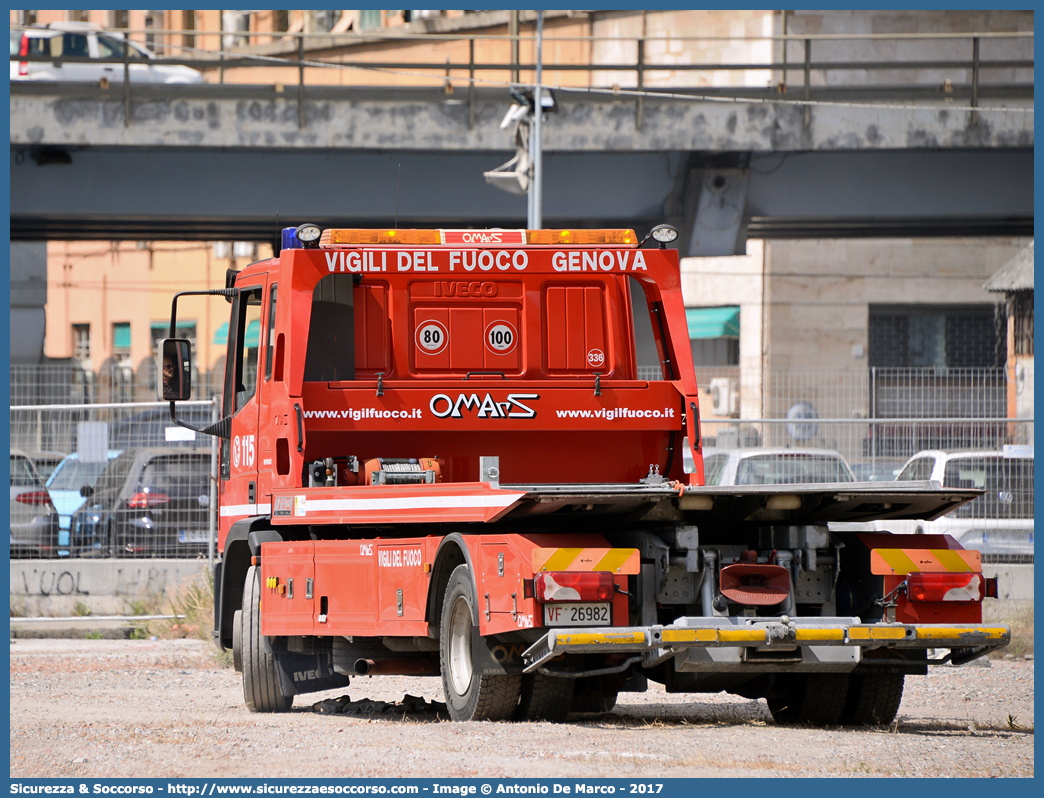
[(523, 174)]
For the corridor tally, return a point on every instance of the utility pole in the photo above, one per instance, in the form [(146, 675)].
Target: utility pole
[(536, 147)]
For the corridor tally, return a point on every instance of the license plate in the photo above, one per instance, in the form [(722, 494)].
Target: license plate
[(580, 614), (192, 536)]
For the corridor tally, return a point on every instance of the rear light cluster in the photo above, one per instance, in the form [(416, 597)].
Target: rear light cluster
[(573, 586), (144, 500), (947, 587), (36, 497), (23, 66)]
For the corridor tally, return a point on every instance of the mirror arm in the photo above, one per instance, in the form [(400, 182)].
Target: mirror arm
[(225, 292), (220, 429)]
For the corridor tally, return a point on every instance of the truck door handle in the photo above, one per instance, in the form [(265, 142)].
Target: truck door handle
[(300, 427), (695, 425)]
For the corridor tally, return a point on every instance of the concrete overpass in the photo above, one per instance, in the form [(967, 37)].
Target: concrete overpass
[(238, 162)]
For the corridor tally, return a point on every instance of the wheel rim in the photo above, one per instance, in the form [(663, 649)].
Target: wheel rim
[(460, 646)]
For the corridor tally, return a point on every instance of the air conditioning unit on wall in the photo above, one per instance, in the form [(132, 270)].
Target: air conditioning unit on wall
[(725, 396)]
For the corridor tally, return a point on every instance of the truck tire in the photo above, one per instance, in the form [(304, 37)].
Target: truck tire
[(814, 698), (260, 681), (545, 697), (873, 699), (237, 641), (469, 695)]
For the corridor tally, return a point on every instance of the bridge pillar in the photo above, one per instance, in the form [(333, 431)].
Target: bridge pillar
[(718, 225)]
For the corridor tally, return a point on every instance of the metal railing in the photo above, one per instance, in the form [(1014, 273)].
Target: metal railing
[(871, 446), (827, 63)]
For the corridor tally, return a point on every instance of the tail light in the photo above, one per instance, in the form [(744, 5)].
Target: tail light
[(573, 586), (35, 497), (992, 587), (145, 500), (945, 587), (23, 66)]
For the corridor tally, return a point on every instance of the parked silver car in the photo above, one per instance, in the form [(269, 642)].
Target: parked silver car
[(772, 466), (1000, 522), (88, 44), (34, 522)]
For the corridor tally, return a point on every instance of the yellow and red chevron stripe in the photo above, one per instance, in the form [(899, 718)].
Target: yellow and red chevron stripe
[(615, 561), (885, 562)]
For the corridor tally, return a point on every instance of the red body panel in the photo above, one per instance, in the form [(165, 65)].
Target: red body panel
[(380, 586), (472, 502)]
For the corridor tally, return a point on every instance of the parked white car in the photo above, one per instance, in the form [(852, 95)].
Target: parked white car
[(772, 466), (72, 40), (999, 522)]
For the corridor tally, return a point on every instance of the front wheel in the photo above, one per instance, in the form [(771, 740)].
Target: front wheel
[(470, 695), (260, 679)]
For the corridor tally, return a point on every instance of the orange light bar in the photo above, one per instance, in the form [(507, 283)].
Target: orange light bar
[(334, 237), (349, 237), (581, 237)]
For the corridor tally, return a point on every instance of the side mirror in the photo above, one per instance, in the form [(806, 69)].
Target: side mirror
[(176, 369)]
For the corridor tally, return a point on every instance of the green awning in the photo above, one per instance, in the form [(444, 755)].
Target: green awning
[(163, 328), (221, 335), (713, 322), (121, 336), (253, 334)]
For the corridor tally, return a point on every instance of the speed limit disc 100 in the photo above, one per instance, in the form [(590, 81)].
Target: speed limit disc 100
[(501, 337)]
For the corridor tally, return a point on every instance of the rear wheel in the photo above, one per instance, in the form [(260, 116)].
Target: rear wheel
[(873, 699), (815, 698), (260, 680), (470, 695), (545, 697)]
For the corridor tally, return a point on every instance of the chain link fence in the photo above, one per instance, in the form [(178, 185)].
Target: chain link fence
[(113, 480), (147, 486), (71, 383)]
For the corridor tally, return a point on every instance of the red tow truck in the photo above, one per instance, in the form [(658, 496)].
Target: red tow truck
[(438, 457)]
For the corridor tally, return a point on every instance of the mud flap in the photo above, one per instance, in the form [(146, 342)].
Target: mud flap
[(307, 673), (492, 657)]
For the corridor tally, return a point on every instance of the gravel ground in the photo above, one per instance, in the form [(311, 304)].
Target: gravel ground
[(156, 709)]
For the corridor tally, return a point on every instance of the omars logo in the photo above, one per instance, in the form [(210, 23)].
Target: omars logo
[(444, 406)]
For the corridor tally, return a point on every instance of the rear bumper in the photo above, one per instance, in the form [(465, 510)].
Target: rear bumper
[(729, 644)]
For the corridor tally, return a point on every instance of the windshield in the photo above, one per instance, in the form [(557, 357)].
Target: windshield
[(115, 474), (177, 476), (113, 48), (22, 473), (1008, 483), (74, 473), (781, 469), (713, 467)]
